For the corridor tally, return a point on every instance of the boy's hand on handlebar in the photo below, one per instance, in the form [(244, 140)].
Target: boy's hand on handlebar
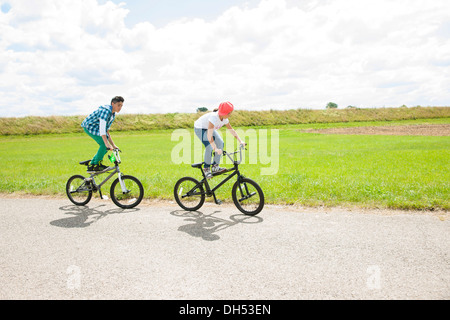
[(218, 151), (112, 147)]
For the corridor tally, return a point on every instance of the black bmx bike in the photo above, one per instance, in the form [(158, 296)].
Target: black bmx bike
[(247, 195), (126, 191)]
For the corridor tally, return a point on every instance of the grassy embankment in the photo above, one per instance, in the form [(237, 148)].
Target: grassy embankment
[(139, 122)]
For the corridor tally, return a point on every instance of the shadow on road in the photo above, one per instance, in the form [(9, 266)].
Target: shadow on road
[(207, 226), (84, 216)]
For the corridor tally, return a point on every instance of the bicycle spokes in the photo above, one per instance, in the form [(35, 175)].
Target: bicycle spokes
[(245, 193), (248, 196), (78, 190), (126, 191), (189, 194)]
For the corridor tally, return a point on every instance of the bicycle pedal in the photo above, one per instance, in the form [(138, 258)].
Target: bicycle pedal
[(219, 202)]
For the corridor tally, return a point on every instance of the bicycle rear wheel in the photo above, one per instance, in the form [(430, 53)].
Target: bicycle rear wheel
[(248, 196), (78, 190), (189, 194), (129, 198)]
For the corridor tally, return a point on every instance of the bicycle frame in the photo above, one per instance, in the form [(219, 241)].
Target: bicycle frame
[(116, 170), (208, 188), (211, 192)]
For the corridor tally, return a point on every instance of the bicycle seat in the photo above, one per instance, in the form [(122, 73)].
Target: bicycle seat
[(86, 163), (197, 165)]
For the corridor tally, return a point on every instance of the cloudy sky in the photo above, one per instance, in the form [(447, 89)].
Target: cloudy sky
[(66, 57)]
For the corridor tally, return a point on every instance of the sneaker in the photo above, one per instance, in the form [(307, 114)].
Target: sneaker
[(215, 168), (101, 166), (96, 167), (207, 172)]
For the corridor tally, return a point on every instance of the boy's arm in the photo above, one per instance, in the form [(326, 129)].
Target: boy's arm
[(104, 134), (105, 140), (234, 133), (211, 139), (111, 141)]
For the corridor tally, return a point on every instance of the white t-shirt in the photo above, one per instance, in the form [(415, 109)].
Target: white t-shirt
[(102, 127), (213, 117)]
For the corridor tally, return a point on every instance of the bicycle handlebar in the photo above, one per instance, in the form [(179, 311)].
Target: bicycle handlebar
[(116, 156), (241, 146)]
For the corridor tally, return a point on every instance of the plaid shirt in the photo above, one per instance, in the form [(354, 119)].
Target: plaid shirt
[(92, 122)]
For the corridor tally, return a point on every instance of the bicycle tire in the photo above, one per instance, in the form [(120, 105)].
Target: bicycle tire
[(129, 199), (193, 202), (80, 192), (249, 208)]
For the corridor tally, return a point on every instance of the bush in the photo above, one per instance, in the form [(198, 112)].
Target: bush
[(332, 105)]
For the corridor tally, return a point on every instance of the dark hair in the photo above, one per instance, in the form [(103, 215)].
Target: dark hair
[(117, 99)]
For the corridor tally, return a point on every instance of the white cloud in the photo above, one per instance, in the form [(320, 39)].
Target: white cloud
[(68, 57)]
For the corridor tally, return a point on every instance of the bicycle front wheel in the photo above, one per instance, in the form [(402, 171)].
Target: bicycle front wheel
[(189, 194), (127, 195), (78, 190), (248, 196)]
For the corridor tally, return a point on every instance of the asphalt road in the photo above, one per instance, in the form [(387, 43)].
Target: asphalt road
[(51, 249)]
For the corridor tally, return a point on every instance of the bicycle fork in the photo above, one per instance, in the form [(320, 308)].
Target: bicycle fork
[(245, 195), (122, 184)]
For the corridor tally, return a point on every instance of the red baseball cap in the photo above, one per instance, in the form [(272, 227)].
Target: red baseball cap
[(225, 108)]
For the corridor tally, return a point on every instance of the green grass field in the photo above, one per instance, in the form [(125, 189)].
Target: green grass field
[(401, 172)]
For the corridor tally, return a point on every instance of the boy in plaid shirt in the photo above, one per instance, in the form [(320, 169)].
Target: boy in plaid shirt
[(97, 125)]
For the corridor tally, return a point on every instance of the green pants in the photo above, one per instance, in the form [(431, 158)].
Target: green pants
[(102, 150)]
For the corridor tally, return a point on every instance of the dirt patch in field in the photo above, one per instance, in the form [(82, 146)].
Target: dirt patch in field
[(408, 130)]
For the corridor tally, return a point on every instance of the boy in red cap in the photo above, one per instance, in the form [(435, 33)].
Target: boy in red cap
[(206, 128)]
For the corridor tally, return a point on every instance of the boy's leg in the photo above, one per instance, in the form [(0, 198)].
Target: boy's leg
[(219, 143), (102, 150), (202, 134)]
